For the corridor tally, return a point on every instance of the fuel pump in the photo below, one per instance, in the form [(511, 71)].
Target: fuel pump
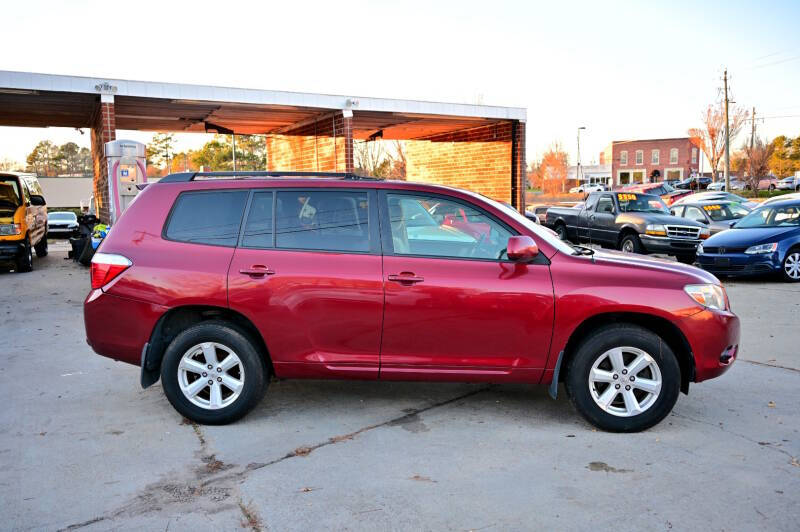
[(126, 168)]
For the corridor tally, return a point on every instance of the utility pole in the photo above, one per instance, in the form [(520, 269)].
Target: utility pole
[(233, 138), (752, 139), (578, 169), (727, 139)]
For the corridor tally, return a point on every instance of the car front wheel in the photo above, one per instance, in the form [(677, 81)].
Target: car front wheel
[(212, 373), (631, 244), (623, 378), (41, 247), (791, 265)]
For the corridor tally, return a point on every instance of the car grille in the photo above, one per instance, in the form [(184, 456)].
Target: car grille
[(682, 231), (711, 250), (58, 226), (728, 268)]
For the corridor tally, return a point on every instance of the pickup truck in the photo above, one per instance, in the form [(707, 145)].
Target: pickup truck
[(631, 222)]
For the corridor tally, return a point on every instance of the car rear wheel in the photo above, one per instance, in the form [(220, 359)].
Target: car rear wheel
[(631, 244), (41, 247), (771, 188), (561, 231), (25, 260), (212, 373), (791, 265), (623, 378)]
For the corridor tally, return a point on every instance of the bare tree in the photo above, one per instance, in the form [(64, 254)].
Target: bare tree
[(370, 158), (711, 137), (757, 159), (10, 165)]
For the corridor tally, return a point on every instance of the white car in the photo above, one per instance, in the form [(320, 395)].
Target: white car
[(792, 196), (585, 189), (63, 223), (789, 183)]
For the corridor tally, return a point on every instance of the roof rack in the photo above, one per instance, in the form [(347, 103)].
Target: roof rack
[(184, 177)]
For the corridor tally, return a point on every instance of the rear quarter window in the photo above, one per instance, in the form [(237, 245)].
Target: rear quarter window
[(207, 217)]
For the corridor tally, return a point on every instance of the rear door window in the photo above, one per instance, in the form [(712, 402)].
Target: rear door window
[(207, 217), (324, 220)]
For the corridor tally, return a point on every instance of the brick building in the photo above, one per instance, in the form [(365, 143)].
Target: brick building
[(652, 160)]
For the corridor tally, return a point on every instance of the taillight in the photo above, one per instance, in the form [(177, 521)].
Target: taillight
[(106, 267)]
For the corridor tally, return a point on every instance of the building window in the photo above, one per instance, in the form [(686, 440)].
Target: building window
[(694, 155), (639, 156), (673, 156), (623, 158), (655, 155)]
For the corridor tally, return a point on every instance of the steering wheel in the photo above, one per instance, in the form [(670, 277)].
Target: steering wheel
[(479, 244)]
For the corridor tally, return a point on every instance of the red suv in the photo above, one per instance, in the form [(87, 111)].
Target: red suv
[(216, 282)]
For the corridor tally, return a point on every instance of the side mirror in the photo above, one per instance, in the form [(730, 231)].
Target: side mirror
[(521, 248), (733, 222), (37, 200)]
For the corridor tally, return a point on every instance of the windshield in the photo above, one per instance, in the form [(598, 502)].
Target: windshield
[(771, 216), (725, 211), (630, 202), (69, 216), (541, 232)]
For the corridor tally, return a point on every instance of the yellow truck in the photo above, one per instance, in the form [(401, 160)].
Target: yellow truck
[(23, 220)]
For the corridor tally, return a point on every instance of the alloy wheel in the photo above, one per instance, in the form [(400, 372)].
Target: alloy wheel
[(627, 246), (625, 381), (211, 375), (791, 265)]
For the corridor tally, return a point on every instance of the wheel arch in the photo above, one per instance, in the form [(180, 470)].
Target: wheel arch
[(665, 329), (625, 231), (178, 319)]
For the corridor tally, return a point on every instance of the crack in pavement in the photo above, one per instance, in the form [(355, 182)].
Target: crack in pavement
[(306, 450), (768, 445), (767, 365), (183, 492)]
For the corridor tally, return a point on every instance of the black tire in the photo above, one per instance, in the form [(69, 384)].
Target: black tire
[(687, 259), (792, 257), (630, 243), (561, 231), (41, 247), (771, 188), (592, 348), (25, 260), (253, 365)]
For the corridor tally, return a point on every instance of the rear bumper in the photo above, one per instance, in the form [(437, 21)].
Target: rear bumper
[(10, 250), (117, 327), (740, 264), (669, 246), (714, 339)]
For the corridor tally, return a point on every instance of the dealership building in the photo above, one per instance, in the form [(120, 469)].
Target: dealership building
[(651, 160)]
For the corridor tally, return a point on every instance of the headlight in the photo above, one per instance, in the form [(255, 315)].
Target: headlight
[(699, 249), (705, 232), (656, 230), (10, 229), (762, 248), (708, 295)]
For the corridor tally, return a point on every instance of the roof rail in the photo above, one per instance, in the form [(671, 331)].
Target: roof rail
[(184, 177)]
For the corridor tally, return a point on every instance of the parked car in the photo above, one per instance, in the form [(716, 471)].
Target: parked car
[(694, 183), (62, 223), (765, 241), (716, 215), (720, 185), (764, 183), (783, 197), (585, 188), (215, 285), (789, 183), (631, 222), (663, 190), (717, 196), (538, 211), (23, 220)]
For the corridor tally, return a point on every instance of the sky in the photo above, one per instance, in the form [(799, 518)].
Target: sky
[(623, 70)]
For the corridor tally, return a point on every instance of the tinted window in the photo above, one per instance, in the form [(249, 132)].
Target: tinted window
[(207, 217), (605, 205), (465, 232), (322, 220), (258, 228)]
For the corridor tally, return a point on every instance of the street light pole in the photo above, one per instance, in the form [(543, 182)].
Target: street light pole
[(578, 169), (727, 139)]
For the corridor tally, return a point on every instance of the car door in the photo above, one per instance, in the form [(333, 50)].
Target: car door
[(456, 308), (602, 223), (307, 272)]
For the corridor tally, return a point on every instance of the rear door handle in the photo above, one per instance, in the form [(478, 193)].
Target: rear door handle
[(405, 278), (257, 271)]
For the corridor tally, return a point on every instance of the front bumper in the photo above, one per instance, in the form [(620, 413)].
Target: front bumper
[(739, 264), (714, 340), (11, 250), (66, 231), (669, 246)]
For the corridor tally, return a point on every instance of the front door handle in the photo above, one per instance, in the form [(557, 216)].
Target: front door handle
[(257, 271), (405, 278)]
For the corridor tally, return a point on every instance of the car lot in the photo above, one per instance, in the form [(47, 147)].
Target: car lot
[(83, 447)]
